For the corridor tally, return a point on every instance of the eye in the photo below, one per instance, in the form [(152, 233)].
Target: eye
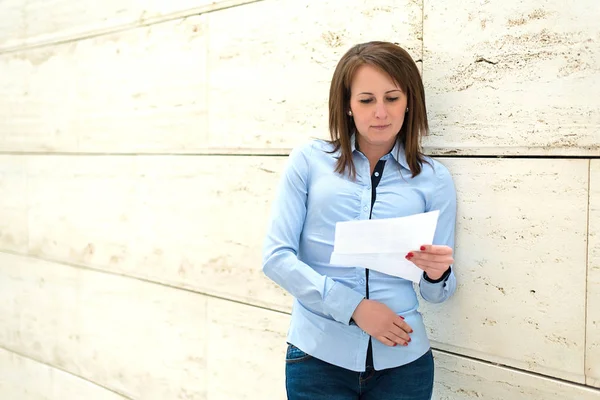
[(365, 101), (392, 99)]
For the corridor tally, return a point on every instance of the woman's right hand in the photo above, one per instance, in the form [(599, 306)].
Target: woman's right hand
[(379, 321)]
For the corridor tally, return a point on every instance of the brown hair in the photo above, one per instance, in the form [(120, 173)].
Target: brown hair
[(398, 64)]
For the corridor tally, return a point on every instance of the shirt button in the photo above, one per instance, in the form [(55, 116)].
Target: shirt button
[(362, 281), (365, 208), (376, 173)]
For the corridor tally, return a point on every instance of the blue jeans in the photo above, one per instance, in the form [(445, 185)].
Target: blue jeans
[(308, 378)]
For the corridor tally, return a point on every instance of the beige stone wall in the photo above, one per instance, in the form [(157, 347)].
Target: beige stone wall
[(141, 142)]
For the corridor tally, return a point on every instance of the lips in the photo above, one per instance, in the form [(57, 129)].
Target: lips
[(380, 127)]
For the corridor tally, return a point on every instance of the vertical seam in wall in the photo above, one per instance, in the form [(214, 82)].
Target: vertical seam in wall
[(423, 40), (207, 80), (27, 204), (587, 269), (206, 345)]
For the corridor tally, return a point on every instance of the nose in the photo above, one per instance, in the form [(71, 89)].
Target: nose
[(380, 111)]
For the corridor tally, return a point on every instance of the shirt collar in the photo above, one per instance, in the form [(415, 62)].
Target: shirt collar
[(397, 152)]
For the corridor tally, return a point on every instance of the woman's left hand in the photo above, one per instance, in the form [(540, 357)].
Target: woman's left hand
[(434, 260)]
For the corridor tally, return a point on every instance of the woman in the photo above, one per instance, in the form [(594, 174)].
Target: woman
[(355, 333)]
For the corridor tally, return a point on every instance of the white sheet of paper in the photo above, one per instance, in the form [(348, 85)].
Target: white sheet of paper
[(382, 244)]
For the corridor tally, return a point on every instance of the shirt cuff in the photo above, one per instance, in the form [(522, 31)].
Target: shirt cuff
[(341, 301), (443, 278)]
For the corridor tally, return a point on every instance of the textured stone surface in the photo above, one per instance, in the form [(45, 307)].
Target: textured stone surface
[(521, 266), (152, 342), (246, 352), (521, 79), (269, 78), (29, 23), (515, 78), (13, 203), (146, 90), (140, 339), (121, 77), (143, 340), (195, 222), (458, 378), (134, 91), (199, 223)]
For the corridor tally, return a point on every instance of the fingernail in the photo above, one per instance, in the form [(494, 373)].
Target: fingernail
[(401, 316), (409, 339), (411, 331), (409, 255), (395, 344), (405, 344), (423, 248)]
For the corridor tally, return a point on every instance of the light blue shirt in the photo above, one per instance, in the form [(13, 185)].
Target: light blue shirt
[(310, 200)]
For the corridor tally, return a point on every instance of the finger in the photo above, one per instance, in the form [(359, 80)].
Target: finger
[(435, 249), (420, 260), (428, 265), (386, 341), (400, 323), (419, 256), (398, 335), (443, 259), (395, 339)]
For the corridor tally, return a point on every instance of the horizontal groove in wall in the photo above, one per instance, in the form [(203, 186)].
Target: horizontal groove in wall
[(285, 152), (520, 156), (221, 152), (129, 26), (65, 371)]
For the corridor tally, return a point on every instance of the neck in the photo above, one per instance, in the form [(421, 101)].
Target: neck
[(374, 152)]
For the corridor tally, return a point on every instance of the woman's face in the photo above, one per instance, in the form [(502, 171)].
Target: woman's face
[(378, 107)]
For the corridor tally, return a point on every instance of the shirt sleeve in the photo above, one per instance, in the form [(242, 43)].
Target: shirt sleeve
[(317, 292), (443, 199)]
